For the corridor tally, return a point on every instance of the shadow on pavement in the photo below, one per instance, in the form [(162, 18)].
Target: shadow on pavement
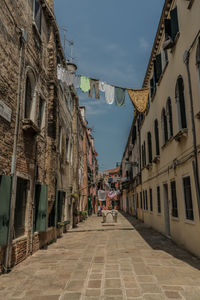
[(157, 241)]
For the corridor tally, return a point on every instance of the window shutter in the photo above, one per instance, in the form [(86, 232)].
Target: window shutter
[(167, 23), (38, 15), (158, 66), (198, 53), (41, 194), (182, 102), (174, 23), (152, 86), (5, 192)]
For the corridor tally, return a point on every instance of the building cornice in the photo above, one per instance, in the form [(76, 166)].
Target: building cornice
[(156, 44)]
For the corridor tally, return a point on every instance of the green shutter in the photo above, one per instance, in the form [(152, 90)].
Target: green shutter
[(158, 67), (42, 210), (168, 32), (174, 23), (5, 196)]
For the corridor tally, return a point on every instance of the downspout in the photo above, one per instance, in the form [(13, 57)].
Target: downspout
[(195, 162), (8, 254)]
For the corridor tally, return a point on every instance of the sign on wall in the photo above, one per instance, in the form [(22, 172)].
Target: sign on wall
[(5, 111)]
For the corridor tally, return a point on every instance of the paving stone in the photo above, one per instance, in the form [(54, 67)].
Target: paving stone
[(154, 297), (113, 292), (172, 295), (94, 283), (93, 292), (95, 276), (112, 274), (172, 287), (145, 278), (112, 283), (71, 296), (150, 288), (75, 285), (133, 292)]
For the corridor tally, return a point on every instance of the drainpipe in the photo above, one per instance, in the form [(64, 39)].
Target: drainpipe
[(195, 162), (8, 254)]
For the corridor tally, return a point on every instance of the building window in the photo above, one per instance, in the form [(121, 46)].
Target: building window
[(174, 199), (20, 207), (169, 118), (188, 199), (164, 126), (140, 199), (60, 205), (151, 199), (143, 155), (134, 135), (67, 150), (171, 29), (149, 147), (28, 98), (37, 14), (158, 200), (156, 130), (158, 69), (146, 200), (180, 100), (41, 113)]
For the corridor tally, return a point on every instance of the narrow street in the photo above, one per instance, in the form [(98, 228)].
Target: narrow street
[(125, 261)]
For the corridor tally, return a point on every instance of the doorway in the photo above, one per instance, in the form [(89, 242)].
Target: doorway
[(166, 209)]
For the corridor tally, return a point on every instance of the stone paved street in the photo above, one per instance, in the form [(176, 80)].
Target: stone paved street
[(127, 261)]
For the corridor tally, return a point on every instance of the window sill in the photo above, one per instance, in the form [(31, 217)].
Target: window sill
[(190, 222), (156, 159), (20, 238), (30, 127), (159, 214), (181, 134), (176, 219), (149, 166)]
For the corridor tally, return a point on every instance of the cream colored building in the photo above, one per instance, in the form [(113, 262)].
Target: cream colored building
[(170, 139)]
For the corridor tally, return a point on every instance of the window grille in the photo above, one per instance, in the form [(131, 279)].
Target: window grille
[(188, 198), (157, 137), (158, 200), (180, 99), (174, 199)]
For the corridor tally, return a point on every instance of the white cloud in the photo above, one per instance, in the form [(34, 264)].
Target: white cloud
[(144, 44)]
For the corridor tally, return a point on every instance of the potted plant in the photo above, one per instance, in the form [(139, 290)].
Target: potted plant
[(110, 207)]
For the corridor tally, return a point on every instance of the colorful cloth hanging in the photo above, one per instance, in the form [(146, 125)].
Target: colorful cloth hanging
[(109, 93), (101, 195), (102, 86), (77, 81), (85, 84), (139, 99), (119, 96), (94, 84), (112, 194)]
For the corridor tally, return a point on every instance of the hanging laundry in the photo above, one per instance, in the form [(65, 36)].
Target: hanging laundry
[(112, 194), (77, 81), (139, 99), (109, 93), (94, 84), (119, 96), (85, 84), (102, 86), (101, 195)]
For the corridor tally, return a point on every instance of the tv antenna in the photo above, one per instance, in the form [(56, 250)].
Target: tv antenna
[(65, 41)]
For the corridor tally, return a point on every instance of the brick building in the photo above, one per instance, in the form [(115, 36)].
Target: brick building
[(33, 113)]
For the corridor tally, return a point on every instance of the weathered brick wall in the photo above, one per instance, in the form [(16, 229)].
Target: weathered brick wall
[(36, 155)]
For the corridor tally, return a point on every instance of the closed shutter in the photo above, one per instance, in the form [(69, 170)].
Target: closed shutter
[(198, 53), (134, 135), (152, 86), (167, 23), (182, 103), (158, 66), (5, 195), (38, 15), (174, 23), (41, 198)]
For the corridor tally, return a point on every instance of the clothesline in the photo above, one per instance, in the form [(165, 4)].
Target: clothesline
[(113, 94)]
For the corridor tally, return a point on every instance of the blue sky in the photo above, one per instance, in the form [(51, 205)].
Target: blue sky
[(112, 42)]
